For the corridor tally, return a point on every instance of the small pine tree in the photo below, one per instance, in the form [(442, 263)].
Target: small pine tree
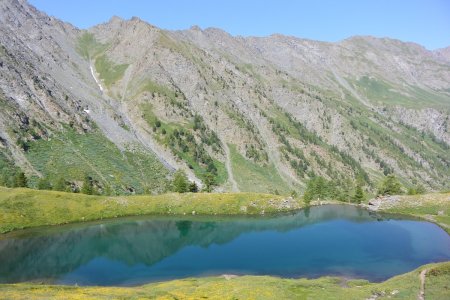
[(209, 182), (180, 183), (87, 188), (44, 184), (411, 191), (309, 192), (306, 200), (193, 188), (108, 191), (416, 190), (147, 190), (60, 185), (319, 187), (359, 194), (420, 189), (21, 180)]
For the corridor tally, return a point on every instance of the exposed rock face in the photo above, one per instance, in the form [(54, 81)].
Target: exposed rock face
[(362, 106)]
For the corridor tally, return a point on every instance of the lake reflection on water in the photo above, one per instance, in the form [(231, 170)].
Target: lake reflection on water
[(327, 240)]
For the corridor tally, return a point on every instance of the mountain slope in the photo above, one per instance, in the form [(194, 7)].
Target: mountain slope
[(255, 114)]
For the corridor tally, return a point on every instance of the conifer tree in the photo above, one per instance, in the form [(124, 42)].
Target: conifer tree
[(180, 183), (390, 186), (209, 182), (21, 180), (44, 184), (359, 194), (60, 185), (193, 188), (87, 187)]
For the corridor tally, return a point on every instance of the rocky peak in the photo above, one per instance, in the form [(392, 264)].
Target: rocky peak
[(443, 53), (195, 28)]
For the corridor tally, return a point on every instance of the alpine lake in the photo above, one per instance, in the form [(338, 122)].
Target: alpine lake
[(335, 240)]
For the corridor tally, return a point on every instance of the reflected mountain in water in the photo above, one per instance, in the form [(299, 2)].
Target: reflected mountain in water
[(320, 240)]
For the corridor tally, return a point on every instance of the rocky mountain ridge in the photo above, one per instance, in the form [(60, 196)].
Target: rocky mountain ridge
[(127, 103)]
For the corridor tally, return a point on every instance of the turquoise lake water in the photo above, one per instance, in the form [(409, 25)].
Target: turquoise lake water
[(327, 240)]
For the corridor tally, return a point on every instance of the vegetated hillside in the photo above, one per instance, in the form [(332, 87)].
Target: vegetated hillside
[(126, 103)]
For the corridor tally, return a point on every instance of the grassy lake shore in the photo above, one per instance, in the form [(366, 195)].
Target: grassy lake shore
[(24, 208), (405, 286)]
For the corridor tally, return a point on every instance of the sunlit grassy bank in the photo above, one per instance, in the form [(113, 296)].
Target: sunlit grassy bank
[(406, 286), (23, 208)]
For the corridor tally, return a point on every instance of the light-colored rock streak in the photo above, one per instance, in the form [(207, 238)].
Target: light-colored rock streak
[(126, 80), (95, 78), (347, 86), (234, 185)]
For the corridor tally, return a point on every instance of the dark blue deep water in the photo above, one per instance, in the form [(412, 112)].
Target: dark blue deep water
[(328, 240)]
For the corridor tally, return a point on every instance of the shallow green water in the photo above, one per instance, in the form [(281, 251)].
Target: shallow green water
[(327, 240)]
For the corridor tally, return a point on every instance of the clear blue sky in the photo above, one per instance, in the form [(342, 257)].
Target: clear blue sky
[(426, 22)]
